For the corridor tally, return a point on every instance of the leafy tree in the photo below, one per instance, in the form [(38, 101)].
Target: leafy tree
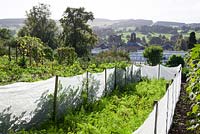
[(181, 43), (192, 40), (144, 40), (66, 55), (175, 60), (76, 32), (48, 53), (38, 24), (31, 47), (153, 54), (155, 40), (5, 36)]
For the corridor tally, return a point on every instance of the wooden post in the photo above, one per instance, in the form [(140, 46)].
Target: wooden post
[(55, 100), (156, 116), (131, 72), (167, 85), (30, 55), (115, 80), (158, 71), (16, 53), (9, 51), (171, 118), (87, 83), (105, 81), (125, 76)]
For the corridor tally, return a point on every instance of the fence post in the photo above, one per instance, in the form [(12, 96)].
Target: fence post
[(115, 80), (55, 100), (87, 82), (158, 71), (125, 76), (167, 85), (131, 72), (156, 116), (16, 53), (9, 52), (171, 118), (105, 81)]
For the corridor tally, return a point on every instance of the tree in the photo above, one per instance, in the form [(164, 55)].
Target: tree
[(66, 55), (5, 36), (38, 24), (153, 54), (175, 60), (192, 40), (76, 32), (181, 44), (31, 47), (155, 40)]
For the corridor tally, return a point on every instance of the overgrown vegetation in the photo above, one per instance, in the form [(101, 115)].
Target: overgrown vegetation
[(193, 88)]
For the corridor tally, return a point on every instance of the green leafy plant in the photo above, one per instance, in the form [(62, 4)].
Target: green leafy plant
[(175, 60), (123, 111), (193, 88), (153, 54)]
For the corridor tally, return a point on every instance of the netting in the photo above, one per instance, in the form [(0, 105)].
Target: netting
[(19, 101), (159, 71), (160, 119), (25, 104)]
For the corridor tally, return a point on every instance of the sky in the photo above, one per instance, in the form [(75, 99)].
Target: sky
[(157, 10)]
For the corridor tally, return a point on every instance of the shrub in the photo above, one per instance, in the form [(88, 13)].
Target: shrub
[(175, 60), (48, 53), (153, 54), (66, 55)]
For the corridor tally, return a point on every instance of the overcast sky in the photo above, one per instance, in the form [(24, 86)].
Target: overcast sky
[(167, 10)]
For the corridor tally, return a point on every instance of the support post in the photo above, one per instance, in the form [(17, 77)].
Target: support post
[(158, 71), (156, 116), (105, 81), (131, 72), (171, 118), (125, 77), (55, 100), (167, 85), (9, 51), (16, 53), (87, 82), (115, 80)]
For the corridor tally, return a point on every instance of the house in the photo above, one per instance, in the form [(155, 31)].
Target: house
[(103, 46), (133, 45), (115, 40), (168, 46)]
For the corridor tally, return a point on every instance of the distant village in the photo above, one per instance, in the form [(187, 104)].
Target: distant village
[(133, 44)]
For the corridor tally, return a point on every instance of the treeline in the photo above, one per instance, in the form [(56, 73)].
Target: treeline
[(157, 29)]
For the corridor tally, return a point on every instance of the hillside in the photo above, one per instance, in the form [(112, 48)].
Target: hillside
[(17, 23), (13, 24)]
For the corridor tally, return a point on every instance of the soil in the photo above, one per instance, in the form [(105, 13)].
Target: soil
[(179, 125)]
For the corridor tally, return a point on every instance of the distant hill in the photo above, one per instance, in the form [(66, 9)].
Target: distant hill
[(102, 22), (170, 24), (13, 24), (119, 23), (16, 24), (132, 23)]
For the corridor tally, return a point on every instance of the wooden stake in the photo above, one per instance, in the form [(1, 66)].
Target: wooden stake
[(55, 100)]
